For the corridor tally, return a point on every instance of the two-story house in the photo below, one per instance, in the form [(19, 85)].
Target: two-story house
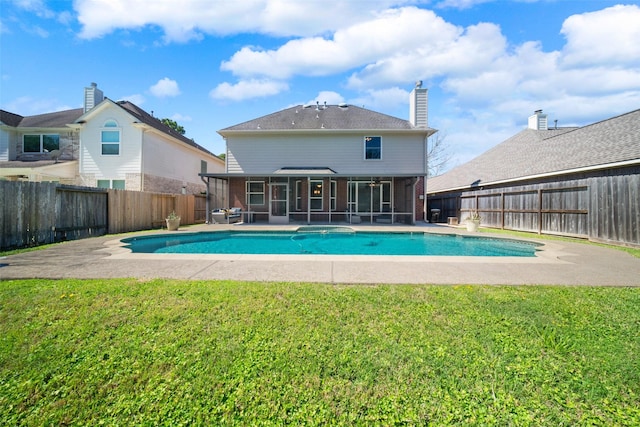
[(105, 144), (327, 164)]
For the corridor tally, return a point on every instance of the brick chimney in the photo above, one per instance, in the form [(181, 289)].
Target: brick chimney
[(418, 106)]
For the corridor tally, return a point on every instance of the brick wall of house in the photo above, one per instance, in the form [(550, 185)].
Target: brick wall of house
[(158, 184)]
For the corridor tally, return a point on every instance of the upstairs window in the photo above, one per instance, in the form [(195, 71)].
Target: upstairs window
[(40, 143), (372, 148), (110, 138)]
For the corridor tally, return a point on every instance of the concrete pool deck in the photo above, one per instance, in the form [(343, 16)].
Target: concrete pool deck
[(558, 263)]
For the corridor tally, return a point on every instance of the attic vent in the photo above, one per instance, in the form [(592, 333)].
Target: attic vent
[(343, 105)]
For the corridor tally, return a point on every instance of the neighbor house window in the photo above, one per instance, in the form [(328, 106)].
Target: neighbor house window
[(110, 138), (373, 148), (40, 143), (315, 195), (255, 192), (116, 184)]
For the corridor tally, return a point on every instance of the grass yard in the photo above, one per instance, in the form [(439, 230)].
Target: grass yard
[(168, 352)]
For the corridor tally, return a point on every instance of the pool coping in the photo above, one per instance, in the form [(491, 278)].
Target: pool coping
[(547, 252), (558, 263)]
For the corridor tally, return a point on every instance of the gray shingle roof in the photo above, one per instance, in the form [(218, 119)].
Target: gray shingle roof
[(337, 117), (530, 153), (155, 123), (59, 119), (10, 119)]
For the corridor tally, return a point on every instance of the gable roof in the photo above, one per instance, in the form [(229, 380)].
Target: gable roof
[(332, 117), (155, 123), (142, 116), (532, 153), (58, 119)]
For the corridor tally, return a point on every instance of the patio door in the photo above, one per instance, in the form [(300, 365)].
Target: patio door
[(279, 203), (371, 197)]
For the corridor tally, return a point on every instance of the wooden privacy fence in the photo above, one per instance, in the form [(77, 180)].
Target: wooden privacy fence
[(543, 210), (36, 213)]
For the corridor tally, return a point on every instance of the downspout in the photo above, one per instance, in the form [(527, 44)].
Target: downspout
[(207, 203), (309, 200), (413, 200), (142, 160), (426, 174)]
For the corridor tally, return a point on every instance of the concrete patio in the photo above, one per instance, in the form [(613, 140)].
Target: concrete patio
[(559, 263)]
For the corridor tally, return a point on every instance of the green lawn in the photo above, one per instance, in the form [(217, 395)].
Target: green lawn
[(168, 352)]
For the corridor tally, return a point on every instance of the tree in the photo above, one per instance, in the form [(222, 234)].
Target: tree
[(437, 154), (173, 125)]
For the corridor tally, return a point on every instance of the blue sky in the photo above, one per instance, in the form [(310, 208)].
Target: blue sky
[(208, 65)]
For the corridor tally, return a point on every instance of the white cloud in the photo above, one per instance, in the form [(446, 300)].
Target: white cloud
[(395, 32), (247, 89), (38, 7), (136, 98), (610, 36), (460, 4), (330, 97), (29, 106), (165, 88), (181, 118), (192, 18), (382, 99)]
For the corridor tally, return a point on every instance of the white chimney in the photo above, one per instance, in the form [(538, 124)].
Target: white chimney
[(418, 103), (538, 121), (92, 97)]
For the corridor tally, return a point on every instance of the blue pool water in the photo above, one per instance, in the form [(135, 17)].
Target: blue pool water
[(328, 241)]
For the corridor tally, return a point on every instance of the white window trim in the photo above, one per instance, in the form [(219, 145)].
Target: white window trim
[(41, 135), (111, 129), (249, 193), (312, 182), (364, 148)]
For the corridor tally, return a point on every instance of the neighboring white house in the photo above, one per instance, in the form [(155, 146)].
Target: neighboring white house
[(328, 164), (105, 144)]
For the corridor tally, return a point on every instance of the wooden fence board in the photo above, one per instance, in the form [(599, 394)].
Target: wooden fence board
[(601, 205), (35, 213)]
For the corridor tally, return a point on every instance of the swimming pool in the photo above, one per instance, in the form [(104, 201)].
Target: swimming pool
[(329, 241)]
